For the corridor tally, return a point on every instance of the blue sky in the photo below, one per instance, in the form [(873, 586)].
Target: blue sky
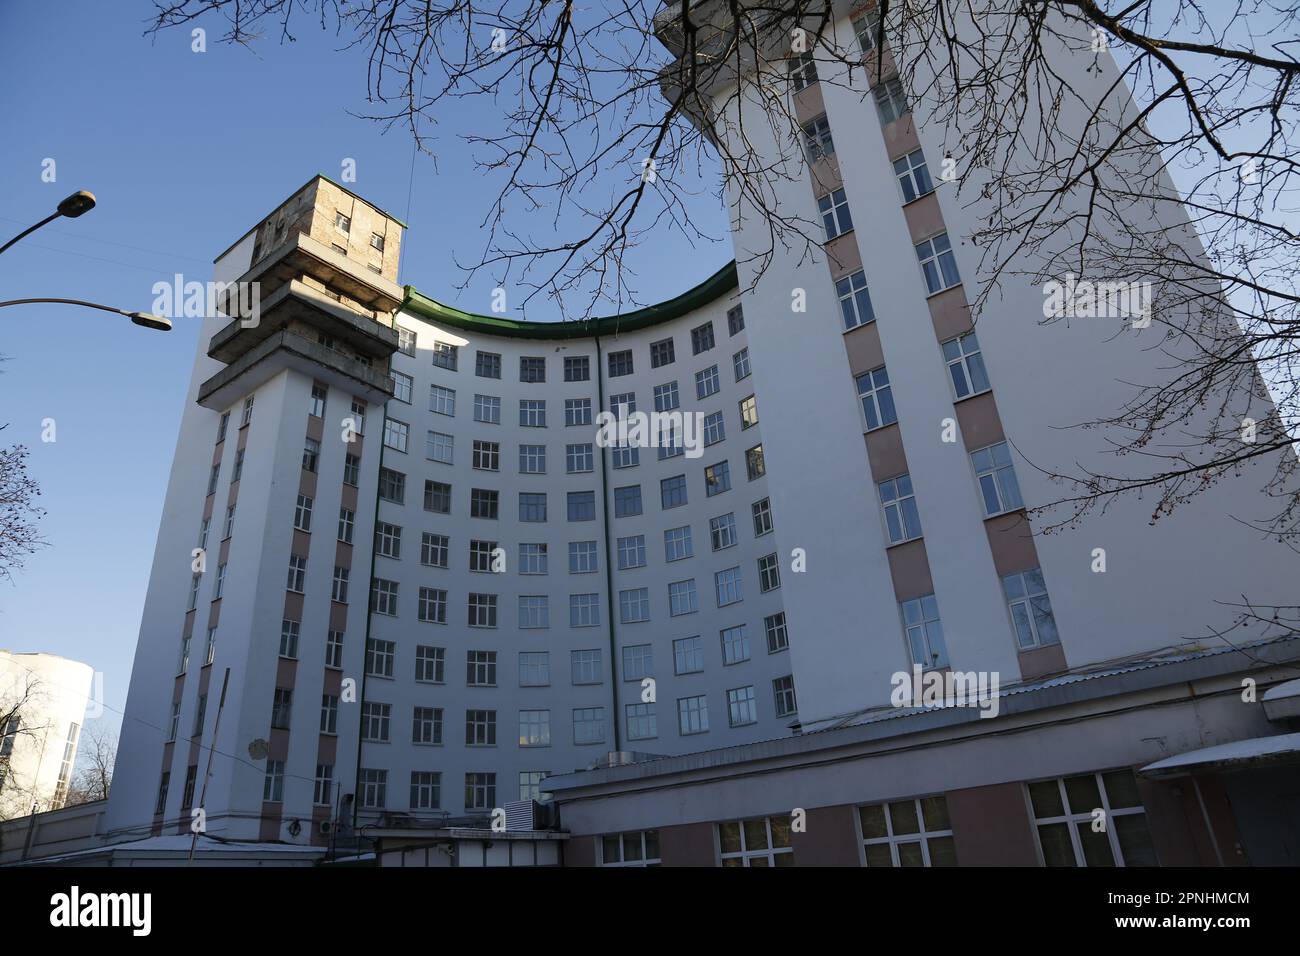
[(185, 152)]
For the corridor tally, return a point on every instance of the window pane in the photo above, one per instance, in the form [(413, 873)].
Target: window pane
[(1135, 840), (730, 837), (755, 834), (902, 814), (1057, 849), (942, 852), (780, 831), (1096, 846), (1046, 799), (878, 855), (1121, 789), (1082, 793), (873, 822), (935, 812), (909, 854)]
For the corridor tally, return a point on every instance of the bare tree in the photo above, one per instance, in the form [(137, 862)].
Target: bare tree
[(22, 727), (19, 513), (96, 756), (597, 121)]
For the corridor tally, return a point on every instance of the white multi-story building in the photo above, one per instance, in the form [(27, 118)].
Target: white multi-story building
[(43, 701), (394, 527)]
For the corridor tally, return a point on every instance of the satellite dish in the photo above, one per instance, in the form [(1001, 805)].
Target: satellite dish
[(258, 749)]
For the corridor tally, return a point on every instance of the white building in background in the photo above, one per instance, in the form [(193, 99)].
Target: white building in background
[(43, 700), (431, 586)]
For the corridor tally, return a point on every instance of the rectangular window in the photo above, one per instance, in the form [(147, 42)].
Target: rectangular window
[(702, 338), (762, 510), (688, 655), (406, 341), (310, 454), (324, 785), (487, 409), (534, 728), (666, 397), (383, 597), (735, 320), (480, 728), (682, 598), (532, 506), (532, 368), (433, 605), (638, 661), (426, 790), (631, 552), (728, 587), (1031, 609), (707, 382), (891, 101), (589, 725), (938, 263), (339, 585), (913, 176), (641, 722), (717, 479), (661, 353), (446, 355), (247, 415), (480, 668), (430, 663), (907, 833), (442, 401), (997, 479), (1065, 810), (487, 365), (433, 550), (534, 611), (769, 573), (334, 649), (582, 505), (439, 446), (855, 300), (534, 669), (742, 708), (396, 435), (764, 841), (374, 788), (484, 503), (735, 644), (867, 29), (722, 531), (388, 540), (627, 500), (802, 71), (715, 429), (379, 657), (877, 398), (301, 515), (579, 458), (485, 456), (437, 497), (532, 558), (480, 791), (426, 725), (584, 610), (482, 610), (966, 365), (317, 407), (902, 520), (351, 470), (585, 666), (582, 557), (625, 456), (375, 721), (289, 631), (677, 544), (834, 209), (620, 363), (924, 632), (783, 694), (532, 413), (577, 368), (817, 141), (634, 605), (692, 715), (577, 411), (740, 362), (392, 486), (672, 492), (755, 463), (329, 714), (532, 459), (778, 638), (297, 573), (273, 783)]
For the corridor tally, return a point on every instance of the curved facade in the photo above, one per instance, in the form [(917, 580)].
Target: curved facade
[(586, 598)]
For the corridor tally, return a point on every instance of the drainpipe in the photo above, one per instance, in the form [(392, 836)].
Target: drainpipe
[(609, 566)]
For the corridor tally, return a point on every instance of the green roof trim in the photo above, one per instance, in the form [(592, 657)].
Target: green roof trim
[(714, 287)]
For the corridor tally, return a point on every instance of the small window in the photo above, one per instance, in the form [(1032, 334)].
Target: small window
[(577, 368), (891, 101), (532, 369), (735, 320), (376, 242), (924, 632), (966, 365), (938, 264), (997, 479), (620, 363), (342, 223), (487, 365), (661, 353), (702, 338), (834, 209), (902, 520), (913, 176), (855, 300), (877, 398), (1031, 609), (817, 142), (901, 833), (802, 70)]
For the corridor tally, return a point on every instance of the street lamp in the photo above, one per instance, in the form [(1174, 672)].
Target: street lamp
[(78, 204), (146, 319)]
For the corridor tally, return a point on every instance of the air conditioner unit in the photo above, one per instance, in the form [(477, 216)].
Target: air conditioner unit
[(325, 827)]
